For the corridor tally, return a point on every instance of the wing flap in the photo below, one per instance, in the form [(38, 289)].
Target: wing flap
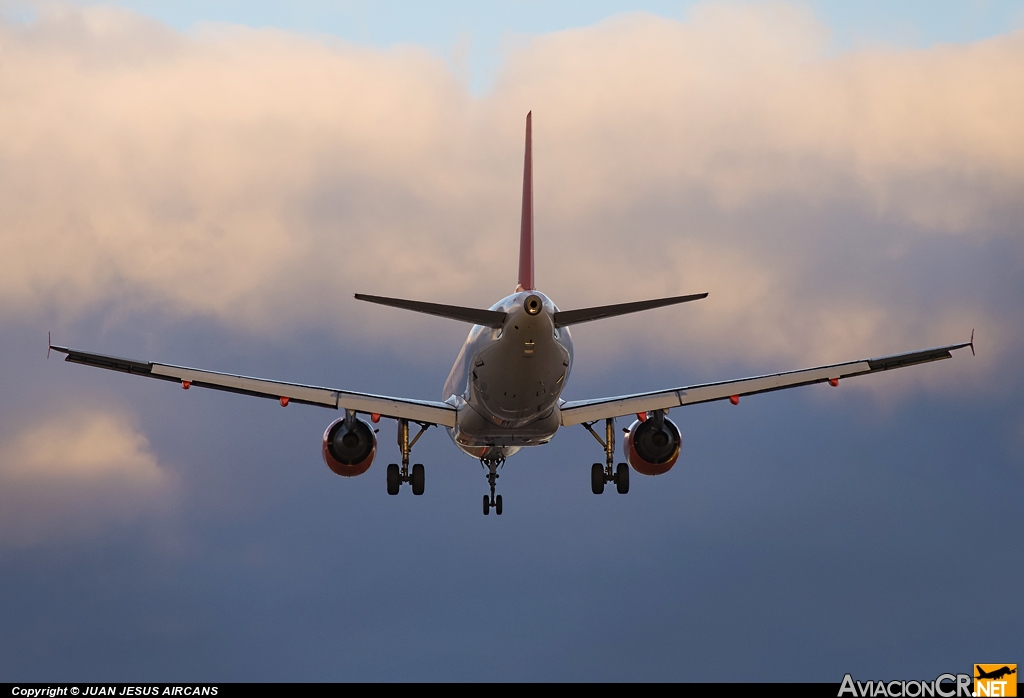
[(112, 363), (886, 363), (423, 411), (764, 384), (257, 387), (581, 411)]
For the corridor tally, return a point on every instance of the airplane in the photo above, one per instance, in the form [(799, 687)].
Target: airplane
[(995, 674), (504, 390)]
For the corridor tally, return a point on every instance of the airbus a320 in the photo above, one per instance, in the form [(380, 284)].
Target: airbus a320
[(504, 391)]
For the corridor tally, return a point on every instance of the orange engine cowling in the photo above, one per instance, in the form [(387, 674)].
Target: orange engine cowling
[(349, 448), (652, 446)]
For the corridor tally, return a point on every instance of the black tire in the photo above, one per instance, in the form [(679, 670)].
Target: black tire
[(394, 479), (622, 478), (487, 505), (497, 505), (417, 479), (597, 478)]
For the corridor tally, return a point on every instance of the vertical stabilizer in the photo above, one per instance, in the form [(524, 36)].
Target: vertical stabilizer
[(526, 229)]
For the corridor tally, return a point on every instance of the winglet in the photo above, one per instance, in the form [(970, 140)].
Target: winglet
[(972, 342), (526, 227), (48, 345)]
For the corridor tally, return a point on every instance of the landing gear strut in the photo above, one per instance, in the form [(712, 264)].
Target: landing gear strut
[(599, 475), (492, 502), (396, 475)]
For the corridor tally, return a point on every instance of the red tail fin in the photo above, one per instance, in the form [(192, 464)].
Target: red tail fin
[(526, 229)]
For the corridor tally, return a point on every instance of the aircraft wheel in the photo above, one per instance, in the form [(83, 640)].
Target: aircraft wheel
[(597, 478), (622, 478), (487, 505), (417, 479), (394, 479), (497, 505)]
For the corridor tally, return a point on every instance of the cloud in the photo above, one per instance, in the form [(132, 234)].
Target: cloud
[(258, 178), (74, 474)]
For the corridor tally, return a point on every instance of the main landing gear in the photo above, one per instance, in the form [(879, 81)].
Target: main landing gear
[(601, 474), (492, 501), (396, 475)]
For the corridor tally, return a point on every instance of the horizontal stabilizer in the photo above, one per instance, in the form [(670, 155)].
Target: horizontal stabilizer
[(574, 317), (477, 316)]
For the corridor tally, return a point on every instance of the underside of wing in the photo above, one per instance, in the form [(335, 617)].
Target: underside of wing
[(582, 411), (422, 411)]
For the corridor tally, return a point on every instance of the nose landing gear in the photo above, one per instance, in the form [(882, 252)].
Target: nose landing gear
[(396, 476), (492, 501), (601, 474)]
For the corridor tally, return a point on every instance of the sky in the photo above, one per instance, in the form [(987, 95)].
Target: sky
[(207, 184)]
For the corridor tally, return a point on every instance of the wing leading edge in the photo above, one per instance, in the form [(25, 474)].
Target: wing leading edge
[(581, 411), (422, 411)]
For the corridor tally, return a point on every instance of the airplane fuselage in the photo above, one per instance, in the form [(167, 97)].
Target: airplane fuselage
[(506, 382)]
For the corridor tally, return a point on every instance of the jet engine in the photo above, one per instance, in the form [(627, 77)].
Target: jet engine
[(652, 445), (349, 446)]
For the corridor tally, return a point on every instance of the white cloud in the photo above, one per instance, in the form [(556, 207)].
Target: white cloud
[(74, 474), (259, 177), (82, 448)]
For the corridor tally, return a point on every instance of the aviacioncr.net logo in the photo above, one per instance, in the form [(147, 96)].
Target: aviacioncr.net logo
[(944, 686)]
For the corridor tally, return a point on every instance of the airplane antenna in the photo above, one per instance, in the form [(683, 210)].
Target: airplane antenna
[(972, 342), (526, 229), (47, 345)]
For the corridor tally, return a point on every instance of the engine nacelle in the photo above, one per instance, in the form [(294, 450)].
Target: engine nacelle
[(349, 449), (652, 446)]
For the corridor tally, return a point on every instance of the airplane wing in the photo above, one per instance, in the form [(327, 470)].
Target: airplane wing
[(581, 411), (421, 411)]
